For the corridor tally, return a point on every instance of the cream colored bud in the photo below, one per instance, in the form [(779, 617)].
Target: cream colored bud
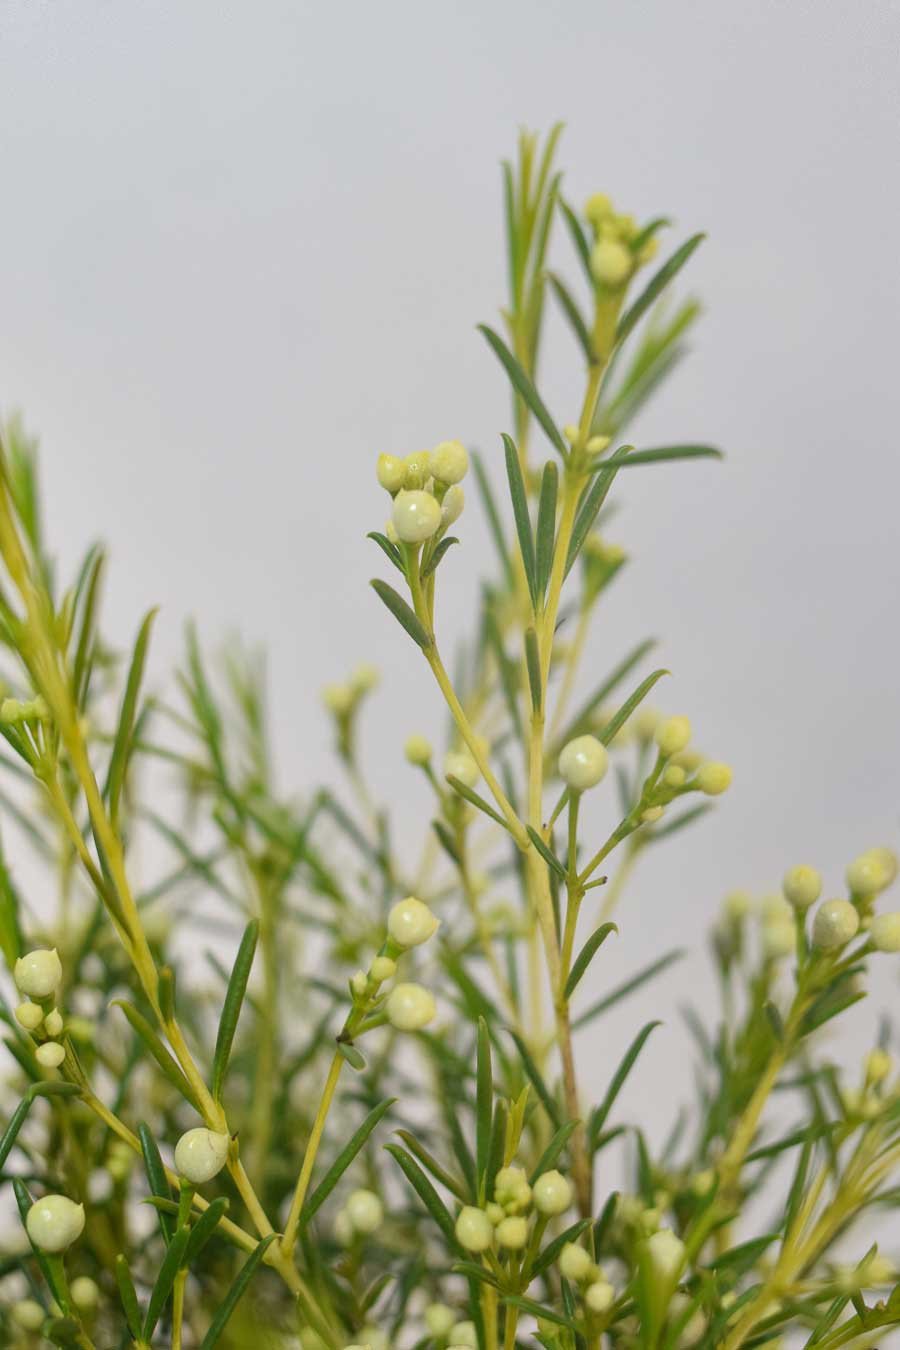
[(416, 516), (511, 1189), (390, 472), (773, 908), (872, 871), (338, 699), (885, 932), (453, 505), (85, 1294), (598, 207), (410, 923), (552, 1193), (410, 1007), (597, 444), (512, 1233), (50, 1055), (463, 1333), (666, 1252), (29, 1015), (53, 1023), (200, 1154), (703, 1182), (460, 764), (54, 1223), (652, 815), (779, 938), (450, 462), (836, 922), (672, 735), (611, 262), (714, 778), (417, 750), (38, 973), (879, 1270), (575, 1263), (417, 468), (674, 776), (28, 1314), (878, 1065), (383, 968), (496, 1213), (583, 763), (375, 1338), (737, 905), (802, 886), (359, 983), (439, 1319), (474, 1230), (599, 1296), (365, 1211)]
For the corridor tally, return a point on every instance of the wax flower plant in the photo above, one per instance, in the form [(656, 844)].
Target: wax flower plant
[(364, 1125)]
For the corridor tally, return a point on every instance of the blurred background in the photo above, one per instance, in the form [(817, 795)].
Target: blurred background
[(244, 250)]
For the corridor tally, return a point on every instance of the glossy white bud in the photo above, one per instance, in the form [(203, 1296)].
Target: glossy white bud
[(50, 1055), (575, 1263), (512, 1233), (600, 1296), (200, 1154), (417, 468), (410, 1007), (714, 778), (836, 922), (416, 516), (460, 764), (453, 505), (390, 472), (28, 1314), (365, 1211), (474, 1230), (38, 973), (85, 1294), (672, 735), (885, 932), (450, 462), (410, 922), (511, 1189), (878, 1065), (666, 1252), (583, 763), (439, 1319), (552, 1193), (383, 968), (53, 1023), (802, 886), (54, 1223), (872, 871), (29, 1015)]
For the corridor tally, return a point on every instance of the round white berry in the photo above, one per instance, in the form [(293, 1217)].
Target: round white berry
[(85, 1294), (439, 1319), (54, 1223), (200, 1154), (53, 1022), (38, 973), (779, 938), (410, 1007), (583, 763), (417, 750), (29, 1015), (460, 764), (411, 923), (28, 1314), (599, 1296), (416, 515), (666, 1252), (464, 1333), (453, 505)]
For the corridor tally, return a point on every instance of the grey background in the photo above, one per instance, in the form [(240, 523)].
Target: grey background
[(244, 248)]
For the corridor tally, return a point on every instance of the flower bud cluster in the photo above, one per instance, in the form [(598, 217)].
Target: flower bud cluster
[(503, 1222), (37, 975), (576, 1266), (14, 711), (617, 252), (426, 491)]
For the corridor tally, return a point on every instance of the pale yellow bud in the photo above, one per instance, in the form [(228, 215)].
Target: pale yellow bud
[(416, 516), (417, 750), (512, 1233), (474, 1230), (29, 1015), (53, 1023), (672, 735), (417, 468), (871, 872), (779, 938), (365, 678), (365, 1211), (453, 505), (802, 886), (575, 1263), (598, 207), (85, 1294), (449, 462), (338, 699), (836, 922), (652, 815), (359, 983), (200, 1154), (611, 262), (38, 973), (667, 1253), (390, 472), (737, 905), (411, 923), (410, 1007), (695, 1327), (496, 1213), (878, 1065), (50, 1055), (511, 1189), (54, 1223), (463, 1333), (583, 763), (460, 764), (884, 932), (383, 968), (714, 778), (439, 1319), (552, 1193), (674, 776), (599, 1296), (28, 1314), (597, 444)]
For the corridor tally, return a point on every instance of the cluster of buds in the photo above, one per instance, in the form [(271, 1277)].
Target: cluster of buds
[(343, 700), (837, 922), (361, 1215), (578, 1268), (37, 975), (867, 1102), (408, 1006), (620, 247), (504, 1221), (426, 491), (678, 768)]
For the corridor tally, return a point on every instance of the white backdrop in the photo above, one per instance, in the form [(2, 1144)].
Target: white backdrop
[(244, 248)]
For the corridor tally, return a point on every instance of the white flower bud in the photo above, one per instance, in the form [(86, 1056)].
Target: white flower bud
[(29, 1015), (878, 1065), (714, 778), (338, 699), (674, 776), (460, 764), (417, 467), (38, 973), (511, 1189), (383, 968), (449, 462), (453, 505), (575, 1263), (28, 1314), (872, 871), (416, 515), (200, 1154), (802, 886), (365, 1211), (410, 923), (737, 905), (583, 763), (599, 1296), (410, 1007), (463, 1333), (417, 750), (496, 1213), (474, 1230), (50, 1055), (359, 983), (439, 1319), (779, 938), (666, 1252), (54, 1223), (85, 1294), (390, 472), (512, 1233), (611, 262), (53, 1023), (672, 735), (885, 932), (836, 922), (552, 1193)]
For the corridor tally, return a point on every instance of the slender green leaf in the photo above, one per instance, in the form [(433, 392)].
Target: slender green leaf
[(470, 795), (121, 750), (579, 239), (627, 1063), (402, 612), (538, 1310), (354, 1057), (662, 454), (390, 551), (533, 664), (14, 1125), (592, 500), (524, 387), (426, 1193), (621, 717), (453, 1184), (484, 1104), (586, 955), (162, 1288), (235, 1293), (437, 556), (128, 1296), (156, 1175), (655, 287), (346, 1156), (551, 1153), (573, 314), (582, 719), (546, 526), (159, 1052), (521, 515), (231, 1008), (546, 853), (536, 1079), (205, 1227)]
